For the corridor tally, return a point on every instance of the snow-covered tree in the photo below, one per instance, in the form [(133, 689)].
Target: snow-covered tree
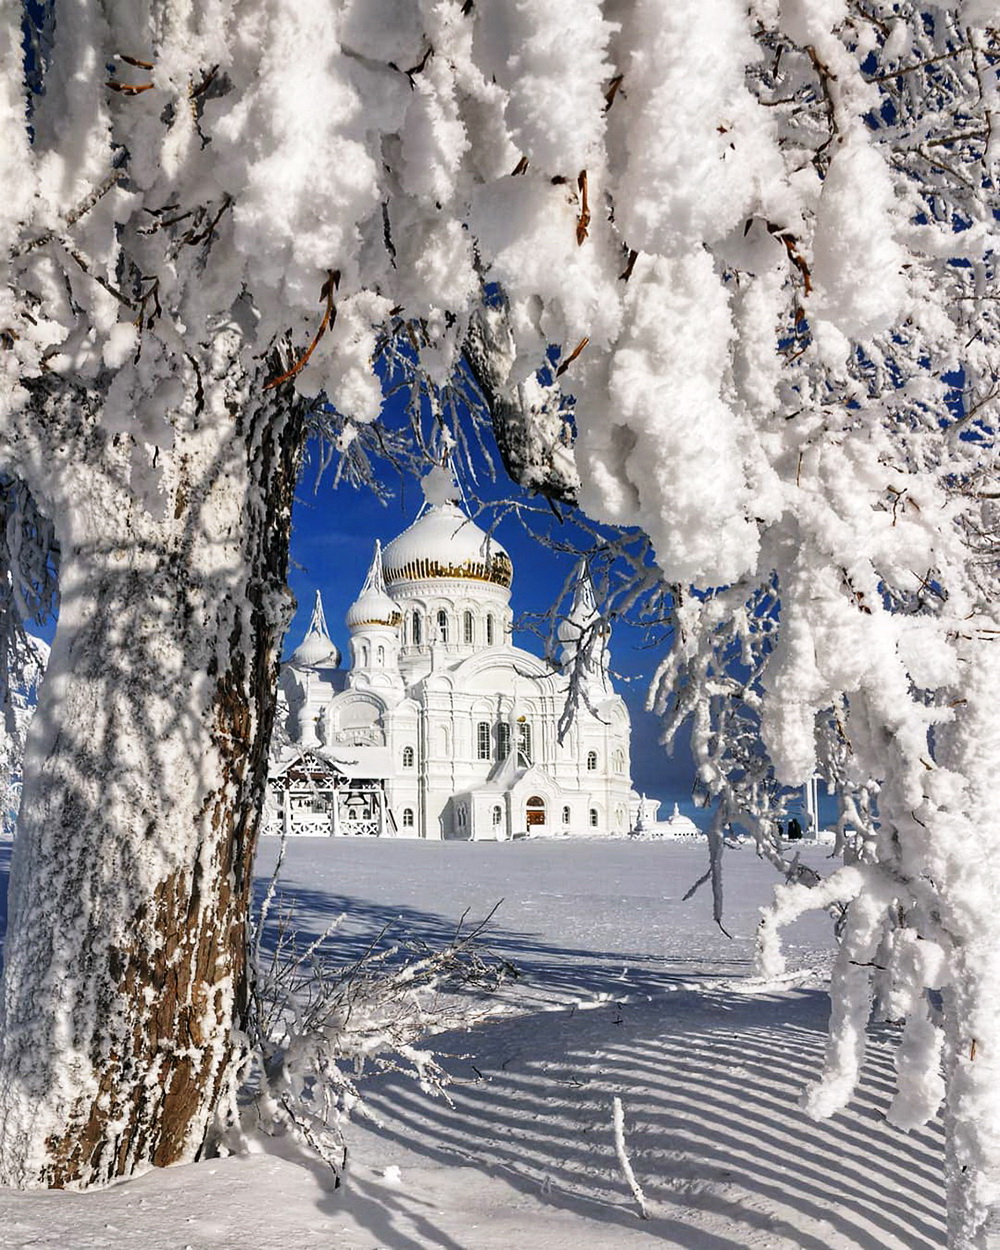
[(742, 249), (26, 590)]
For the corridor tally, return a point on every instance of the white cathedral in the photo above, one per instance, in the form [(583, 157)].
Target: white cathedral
[(441, 727)]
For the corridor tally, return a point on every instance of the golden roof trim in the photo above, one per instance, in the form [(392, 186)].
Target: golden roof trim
[(498, 570)]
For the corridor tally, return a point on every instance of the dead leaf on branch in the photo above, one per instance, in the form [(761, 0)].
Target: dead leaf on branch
[(329, 316), (583, 221)]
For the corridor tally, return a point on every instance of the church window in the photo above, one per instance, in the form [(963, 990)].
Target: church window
[(381, 655), (364, 655), (416, 629), (407, 817), (467, 628), (593, 818), (443, 625), (591, 761), (497, 816), (503, 740), (565, 815), (523, 742), (489, 630), (483, 740), (462, 817), (619, 761), (407, 757)]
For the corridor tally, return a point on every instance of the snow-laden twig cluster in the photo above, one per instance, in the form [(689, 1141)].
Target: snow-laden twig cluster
[(318, 1024)]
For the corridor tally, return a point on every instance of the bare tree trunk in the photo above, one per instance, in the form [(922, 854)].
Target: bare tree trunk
[(125, 958)]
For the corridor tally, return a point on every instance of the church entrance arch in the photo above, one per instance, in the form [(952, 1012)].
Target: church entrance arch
[(534, 811)]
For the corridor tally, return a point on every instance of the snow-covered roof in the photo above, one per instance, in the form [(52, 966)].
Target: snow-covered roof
[(444, 542), (679, 825), (303, 766), (360, 763)]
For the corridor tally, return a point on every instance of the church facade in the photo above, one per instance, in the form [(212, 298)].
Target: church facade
[(439, 726)]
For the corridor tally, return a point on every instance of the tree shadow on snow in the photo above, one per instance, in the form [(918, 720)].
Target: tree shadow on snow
[(710, 1080), (710, 1083), (561, 975)]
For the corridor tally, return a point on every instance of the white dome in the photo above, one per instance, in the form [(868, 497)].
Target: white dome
[(682, 826), (583, 615), (315, 651), (443, 542), (373, 606)]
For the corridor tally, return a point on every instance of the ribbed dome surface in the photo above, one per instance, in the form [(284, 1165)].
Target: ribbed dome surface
[(443, 542), (315, 651), (373, 606)]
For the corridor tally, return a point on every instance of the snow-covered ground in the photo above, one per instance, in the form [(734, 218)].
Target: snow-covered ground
[(625, 990)]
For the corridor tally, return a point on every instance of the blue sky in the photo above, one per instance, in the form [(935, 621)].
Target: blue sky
[(334, 530)]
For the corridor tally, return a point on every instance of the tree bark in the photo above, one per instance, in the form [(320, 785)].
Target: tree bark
[(125, 974)]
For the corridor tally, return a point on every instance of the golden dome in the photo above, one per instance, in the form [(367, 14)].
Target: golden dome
[(443, 542)]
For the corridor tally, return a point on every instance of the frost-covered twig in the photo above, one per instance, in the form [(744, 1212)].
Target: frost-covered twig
[(618, 1124), (317, 1023)]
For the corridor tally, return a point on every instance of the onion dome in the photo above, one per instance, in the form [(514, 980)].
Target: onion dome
[(373, 606), (443, 542), (316, 650), (682, 826), (583, 613)]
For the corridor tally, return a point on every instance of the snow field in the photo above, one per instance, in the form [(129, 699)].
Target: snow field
[(625, 991)]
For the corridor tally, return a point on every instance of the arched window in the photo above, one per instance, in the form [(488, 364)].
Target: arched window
[(591, 761), (534, 811), (381, 655), (497, 816), (407, 757), (416, 629), (503, 740), (462, 817), (483, 740), (364, 655), (467, 628), (619, 761), (593, 817), (523, 742), (407, 817), (443, 625), (565, 815), (405, 633), (489, 630)]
